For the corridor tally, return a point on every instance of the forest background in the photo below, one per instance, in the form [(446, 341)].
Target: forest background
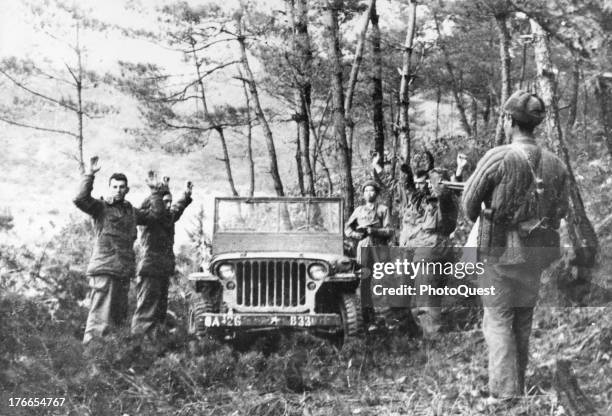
[(282, 98)]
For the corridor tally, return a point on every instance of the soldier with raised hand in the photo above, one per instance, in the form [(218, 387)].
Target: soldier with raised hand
[(112, 262), (524, 189), (158, 262), (428, 216)]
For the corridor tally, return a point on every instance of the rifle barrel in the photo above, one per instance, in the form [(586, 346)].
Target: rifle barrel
[(457, 186)]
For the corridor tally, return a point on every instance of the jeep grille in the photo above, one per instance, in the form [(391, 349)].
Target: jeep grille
[(271, 284)]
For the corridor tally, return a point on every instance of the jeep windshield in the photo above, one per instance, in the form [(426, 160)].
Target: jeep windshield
[(283, 215)]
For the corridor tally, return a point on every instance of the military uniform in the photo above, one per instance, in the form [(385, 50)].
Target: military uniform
[(524, 189), (156, 267), (112, 262), (426, 223)]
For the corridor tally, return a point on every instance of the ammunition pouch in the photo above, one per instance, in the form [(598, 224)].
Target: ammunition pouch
[(540, 234)]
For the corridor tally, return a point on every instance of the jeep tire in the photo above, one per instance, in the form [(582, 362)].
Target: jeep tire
[(350, 316), (196, 310)]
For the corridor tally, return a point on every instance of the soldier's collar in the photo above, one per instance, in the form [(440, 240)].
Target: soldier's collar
[(524, 140), (112, 201)]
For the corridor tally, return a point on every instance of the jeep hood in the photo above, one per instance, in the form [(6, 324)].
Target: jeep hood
[(334, 260)]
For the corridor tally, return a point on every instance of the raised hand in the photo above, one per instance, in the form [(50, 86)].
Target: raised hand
[(154, 183), (461, 161), (94, 167), (376, 159), (188, 188), (404, 166), (151, 180)]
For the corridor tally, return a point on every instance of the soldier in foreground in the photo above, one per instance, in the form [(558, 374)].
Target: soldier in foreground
[(157, 264), (112, 262), (524, 190)]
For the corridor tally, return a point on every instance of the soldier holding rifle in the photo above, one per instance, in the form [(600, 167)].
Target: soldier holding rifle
[(523, 188), (370, 223)]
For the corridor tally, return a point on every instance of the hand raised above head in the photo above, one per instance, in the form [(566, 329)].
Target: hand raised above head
[(376, 159), (461, 160), (94, 167), (154, 183), (188, 187)]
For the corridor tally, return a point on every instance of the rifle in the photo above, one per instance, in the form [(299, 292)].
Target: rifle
[(456, 186)]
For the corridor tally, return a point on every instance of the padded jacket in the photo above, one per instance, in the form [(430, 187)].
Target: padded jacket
[(157, 240), (115, 230)]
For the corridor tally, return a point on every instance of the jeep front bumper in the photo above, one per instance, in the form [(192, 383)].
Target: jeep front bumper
[(267, 320)]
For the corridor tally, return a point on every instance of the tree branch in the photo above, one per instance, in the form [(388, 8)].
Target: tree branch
[(30, 126), (203, 75), (53, 100)]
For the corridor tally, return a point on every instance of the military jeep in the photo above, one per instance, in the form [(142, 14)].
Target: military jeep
[(277, 263)]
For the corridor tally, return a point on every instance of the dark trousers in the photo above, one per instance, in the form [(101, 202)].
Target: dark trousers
[(506, 324), (151, 304), (427, 309), (108, 305)]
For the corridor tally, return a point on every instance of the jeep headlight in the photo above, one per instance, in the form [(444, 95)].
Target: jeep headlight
[(226, 271), (317, 271)]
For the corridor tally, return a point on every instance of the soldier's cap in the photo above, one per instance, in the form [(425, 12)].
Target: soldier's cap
[(525, 108), (371, 183)]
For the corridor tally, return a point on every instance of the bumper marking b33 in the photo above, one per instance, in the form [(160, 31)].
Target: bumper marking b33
[(218, 320)]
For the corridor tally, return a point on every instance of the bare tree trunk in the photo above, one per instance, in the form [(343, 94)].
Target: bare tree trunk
[(298, 161), (573, 104), (278, 184), (378, 117), (523, 65), (337, 88), (474, 116), (352, 82), (394, 115), (317, 151), (226, 161), (395, 130), (304, 53), (457, 94), (78, 110), (209, 119), (438, 99), (504, 54), (581, 231), (79, 87), (249, 137), (404, 91), (250, 157), (603, 93)]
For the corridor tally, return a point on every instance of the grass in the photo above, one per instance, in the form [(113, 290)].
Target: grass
[(296, 375), (41, 355)]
